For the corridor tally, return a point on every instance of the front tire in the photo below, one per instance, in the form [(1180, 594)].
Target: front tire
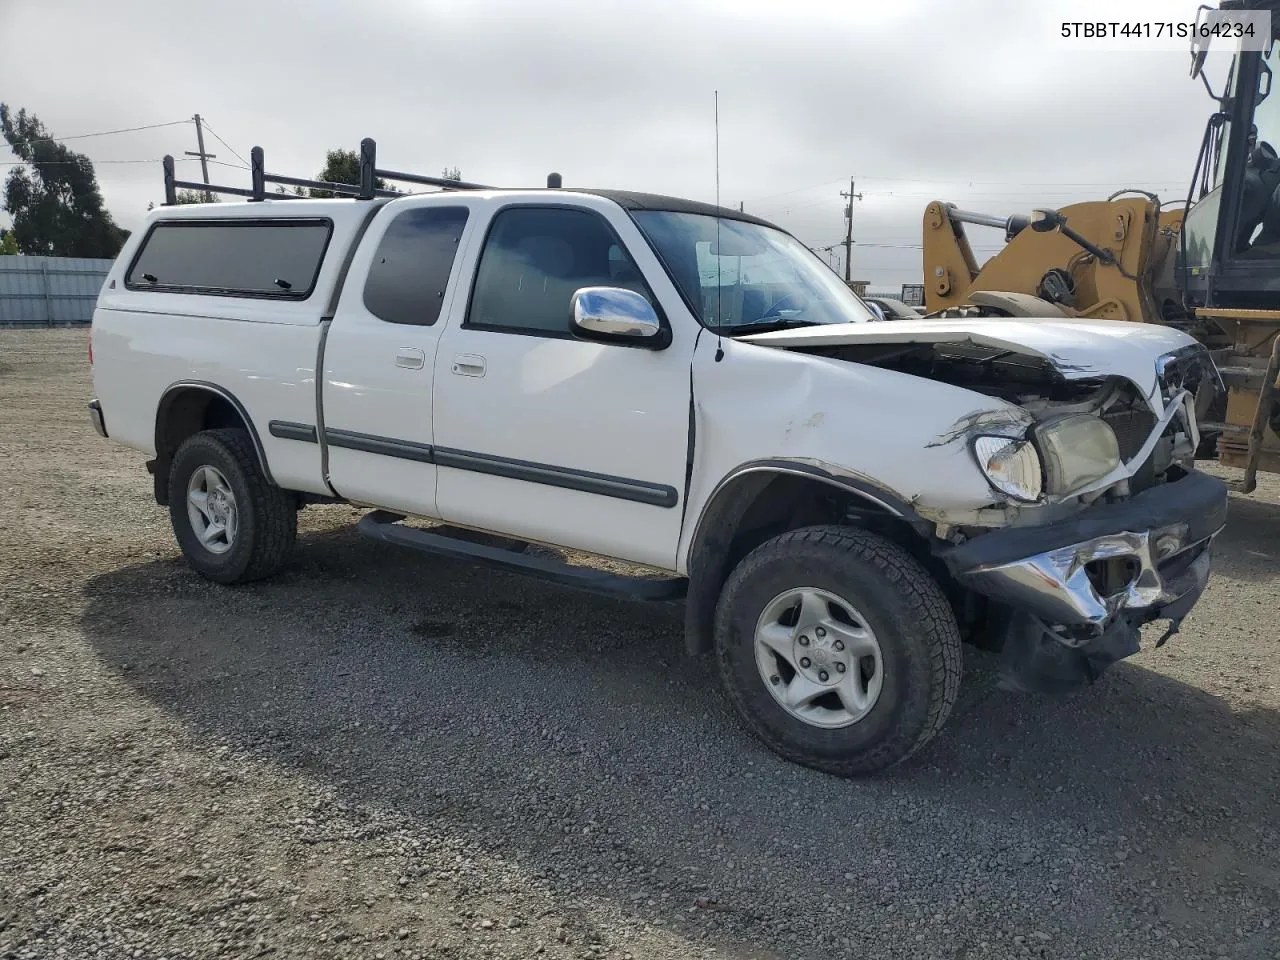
[(838, 649), (232, 523)]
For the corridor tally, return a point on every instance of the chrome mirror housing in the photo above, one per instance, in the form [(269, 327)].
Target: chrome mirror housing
[(614, 313)]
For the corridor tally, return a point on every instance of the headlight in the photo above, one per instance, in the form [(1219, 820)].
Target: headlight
[(1077, 451), (1012, 466)]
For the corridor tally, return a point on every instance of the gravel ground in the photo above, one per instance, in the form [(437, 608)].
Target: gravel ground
[(380, 754)]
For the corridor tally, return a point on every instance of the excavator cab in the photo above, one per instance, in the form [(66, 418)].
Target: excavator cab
[(1230, 249), (1228, 258)]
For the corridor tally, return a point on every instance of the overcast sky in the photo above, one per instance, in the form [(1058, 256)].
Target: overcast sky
[(975, 101)]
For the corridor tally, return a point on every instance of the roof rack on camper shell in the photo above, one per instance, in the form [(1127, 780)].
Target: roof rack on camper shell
[(366, 190)]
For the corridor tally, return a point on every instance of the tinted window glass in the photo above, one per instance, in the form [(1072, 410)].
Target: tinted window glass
[(411, 268), (535, 259), (272, 258), (737, 274)]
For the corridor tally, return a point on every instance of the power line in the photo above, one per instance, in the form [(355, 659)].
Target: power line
[(107, 133), (1173, 182), (1027, 183), (233, 150), (57, 163), (1170, 181)]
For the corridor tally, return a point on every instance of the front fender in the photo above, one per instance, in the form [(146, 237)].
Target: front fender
[(898, 438)]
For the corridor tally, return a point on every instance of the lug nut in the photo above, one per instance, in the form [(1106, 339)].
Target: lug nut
[(804, 662), (838, 645), (820, 632), (775, 679), (839, 668), (823, 675), (804, 641)]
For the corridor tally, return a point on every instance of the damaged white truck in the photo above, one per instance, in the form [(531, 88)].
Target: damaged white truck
[(839, 503)]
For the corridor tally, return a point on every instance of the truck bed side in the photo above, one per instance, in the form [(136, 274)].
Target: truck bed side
[(259, 352)]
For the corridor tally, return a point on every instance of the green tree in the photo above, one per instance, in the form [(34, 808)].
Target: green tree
[(54, 200), (8, 244), (196, 196), (451, 173), (343, 166)]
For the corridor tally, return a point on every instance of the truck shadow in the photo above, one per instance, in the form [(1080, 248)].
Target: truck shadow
[(383, 672), (1249, 547)]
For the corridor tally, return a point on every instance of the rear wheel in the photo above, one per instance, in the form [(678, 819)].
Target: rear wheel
[(232, 524), (838, 649)]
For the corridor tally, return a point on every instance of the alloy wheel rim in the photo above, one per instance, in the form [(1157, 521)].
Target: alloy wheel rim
[(819, 657), (212, 510)]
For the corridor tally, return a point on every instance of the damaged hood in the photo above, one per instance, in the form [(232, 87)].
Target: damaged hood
[(1078, 349)]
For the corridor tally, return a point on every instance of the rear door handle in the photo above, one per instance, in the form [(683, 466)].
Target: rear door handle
[(468, 365), (411, 358)]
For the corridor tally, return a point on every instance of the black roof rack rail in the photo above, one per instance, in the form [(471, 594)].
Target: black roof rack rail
[(367, 189)]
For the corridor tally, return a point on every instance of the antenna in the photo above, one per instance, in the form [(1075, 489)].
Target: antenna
[(719, 285)]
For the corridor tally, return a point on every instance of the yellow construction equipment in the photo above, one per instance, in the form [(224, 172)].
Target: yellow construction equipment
[(1209, 265)]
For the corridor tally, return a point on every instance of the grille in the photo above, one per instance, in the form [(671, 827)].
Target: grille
[(1132, 427)]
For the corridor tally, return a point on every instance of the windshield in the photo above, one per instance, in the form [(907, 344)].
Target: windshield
[(740, 275), (1200, 225)]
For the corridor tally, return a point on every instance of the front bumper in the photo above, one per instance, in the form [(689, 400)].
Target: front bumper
[(1054, 572), (95, 417)]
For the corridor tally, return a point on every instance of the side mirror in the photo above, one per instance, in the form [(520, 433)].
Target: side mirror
[(876, 309), (617, 315)]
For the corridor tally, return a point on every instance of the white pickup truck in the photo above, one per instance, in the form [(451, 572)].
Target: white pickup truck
[(839, 503)]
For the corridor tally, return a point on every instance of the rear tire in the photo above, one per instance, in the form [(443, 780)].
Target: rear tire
[(838, 649), (232, 523)]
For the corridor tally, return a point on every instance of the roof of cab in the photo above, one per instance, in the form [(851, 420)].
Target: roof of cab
[(631, 200), (345, 206)]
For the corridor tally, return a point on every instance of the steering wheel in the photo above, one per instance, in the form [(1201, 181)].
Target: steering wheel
[(776, 307)]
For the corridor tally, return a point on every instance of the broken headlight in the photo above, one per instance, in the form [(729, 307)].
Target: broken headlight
[(1076, 451), (1012, 466)]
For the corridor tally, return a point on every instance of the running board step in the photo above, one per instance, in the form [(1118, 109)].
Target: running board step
[(385, 526)]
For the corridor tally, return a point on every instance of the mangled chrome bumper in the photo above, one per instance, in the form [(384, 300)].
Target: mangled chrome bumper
[(1057, 585), (1087, 583)]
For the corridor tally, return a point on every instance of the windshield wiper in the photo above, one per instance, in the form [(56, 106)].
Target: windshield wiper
[(766, 324)]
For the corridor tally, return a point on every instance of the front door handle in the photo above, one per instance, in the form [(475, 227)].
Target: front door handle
[(411, 358), (468, 365)]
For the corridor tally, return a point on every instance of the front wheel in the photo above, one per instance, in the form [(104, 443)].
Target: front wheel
[(232, 523), (838, 649)]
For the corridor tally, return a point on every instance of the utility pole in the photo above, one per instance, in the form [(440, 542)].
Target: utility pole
[(204, 157), (848, 233)]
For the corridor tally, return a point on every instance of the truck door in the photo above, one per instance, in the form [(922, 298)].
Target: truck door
[(380, 353), (548, 437)]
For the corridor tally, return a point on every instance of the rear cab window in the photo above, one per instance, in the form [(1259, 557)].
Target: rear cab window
[(411, 267), (275, 258)]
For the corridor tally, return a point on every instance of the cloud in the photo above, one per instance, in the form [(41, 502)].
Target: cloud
[(976, 102)]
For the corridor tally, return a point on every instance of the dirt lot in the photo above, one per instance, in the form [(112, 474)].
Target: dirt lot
[(378, 754)]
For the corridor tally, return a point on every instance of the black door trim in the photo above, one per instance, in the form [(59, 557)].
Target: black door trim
[(620, 488), (602, 484), (388, 447), (288, 430)]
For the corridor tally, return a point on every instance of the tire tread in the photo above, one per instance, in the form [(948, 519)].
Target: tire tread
[(275, 514), (927, 607)]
